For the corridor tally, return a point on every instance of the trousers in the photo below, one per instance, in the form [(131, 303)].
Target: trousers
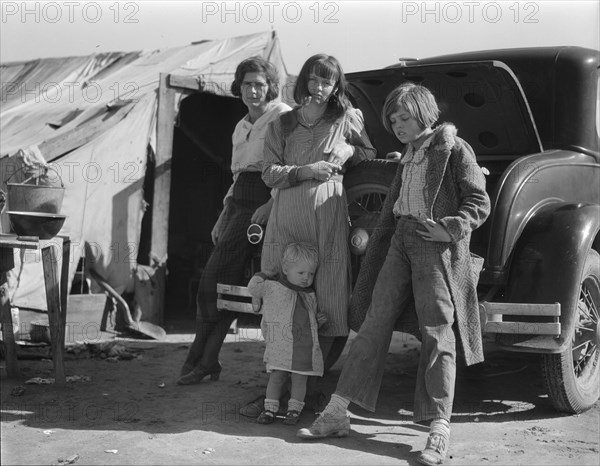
[(226, 264), (413, 269)]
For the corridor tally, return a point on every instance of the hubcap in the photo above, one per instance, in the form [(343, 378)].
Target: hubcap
[(586, 338), (364, 206)]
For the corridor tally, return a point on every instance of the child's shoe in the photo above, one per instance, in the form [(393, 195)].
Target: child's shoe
[(326, 425), (437, 446), (291, 418), (266, 417)]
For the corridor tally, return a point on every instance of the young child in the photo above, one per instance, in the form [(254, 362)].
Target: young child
[(290, 329), (437, 198)]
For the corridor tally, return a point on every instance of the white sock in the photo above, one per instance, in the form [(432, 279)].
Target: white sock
[(440, 426), (337, 405), (271, 405), (295, 405)]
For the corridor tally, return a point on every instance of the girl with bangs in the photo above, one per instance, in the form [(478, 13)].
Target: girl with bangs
[(306, 153)]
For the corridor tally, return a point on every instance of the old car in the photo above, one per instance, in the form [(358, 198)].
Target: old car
[(532, 118)]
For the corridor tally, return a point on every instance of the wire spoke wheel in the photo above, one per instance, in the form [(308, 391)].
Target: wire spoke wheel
[(367, 186), (585, 342), (573, 377)]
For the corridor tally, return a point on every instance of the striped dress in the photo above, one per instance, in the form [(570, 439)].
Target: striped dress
[(313, 211)]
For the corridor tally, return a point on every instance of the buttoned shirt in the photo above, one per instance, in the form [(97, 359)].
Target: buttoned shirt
[(413, 199), (249, 140)]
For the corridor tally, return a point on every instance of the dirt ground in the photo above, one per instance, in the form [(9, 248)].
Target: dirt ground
[(132, 412)]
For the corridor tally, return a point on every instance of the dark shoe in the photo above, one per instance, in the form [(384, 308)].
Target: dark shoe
[(326, 425), (291, 418), (266, 417), (196, 375), (254, 408), (186, 369), (435, 450)]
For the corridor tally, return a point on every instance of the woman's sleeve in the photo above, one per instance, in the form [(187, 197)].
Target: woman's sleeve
[(256, 285), (275, 173), (357, 137), (475, 202)]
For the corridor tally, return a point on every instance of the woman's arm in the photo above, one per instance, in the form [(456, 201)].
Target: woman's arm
[(357, 145), (276, 174), (261, 215), (217, 229)]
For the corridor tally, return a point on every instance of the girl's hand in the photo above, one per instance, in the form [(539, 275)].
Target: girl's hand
[(321, 319), (434, 231), (261, 215), (340, 153), (323, 170), (256, 304), (395, 156)]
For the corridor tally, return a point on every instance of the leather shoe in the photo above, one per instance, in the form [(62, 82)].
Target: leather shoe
[(200, 373), (435, 450), (326, 425)]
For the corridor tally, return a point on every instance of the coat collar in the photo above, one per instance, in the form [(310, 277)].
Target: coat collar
[(444, 138), (438, 155)]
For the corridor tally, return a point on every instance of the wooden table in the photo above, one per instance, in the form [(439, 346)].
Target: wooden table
[(56, 297)]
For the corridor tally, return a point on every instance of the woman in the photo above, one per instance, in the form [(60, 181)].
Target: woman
[(248, 201), (305, 153)]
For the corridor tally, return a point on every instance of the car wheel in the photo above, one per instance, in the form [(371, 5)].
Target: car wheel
[(573, 377), (366, 185)]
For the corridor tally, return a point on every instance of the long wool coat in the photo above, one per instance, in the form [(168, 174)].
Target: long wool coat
[(461, 204)]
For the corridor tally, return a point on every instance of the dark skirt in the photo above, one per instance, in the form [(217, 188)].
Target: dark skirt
[(233, 251)]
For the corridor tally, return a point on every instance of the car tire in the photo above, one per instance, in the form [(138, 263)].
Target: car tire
[(367, 185), (573, 376)]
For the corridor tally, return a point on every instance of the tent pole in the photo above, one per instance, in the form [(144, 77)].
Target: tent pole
[(162, 186)]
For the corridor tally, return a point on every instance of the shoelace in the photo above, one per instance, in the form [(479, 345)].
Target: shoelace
[(436, 442)]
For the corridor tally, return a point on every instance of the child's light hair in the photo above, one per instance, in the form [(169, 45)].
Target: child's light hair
[(300, 251), (418, 101)]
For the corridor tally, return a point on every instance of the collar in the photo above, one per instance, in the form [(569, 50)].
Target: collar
[(284, 281), (411, 153), (270, 106)]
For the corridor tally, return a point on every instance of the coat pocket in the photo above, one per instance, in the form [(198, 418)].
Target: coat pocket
[(476, 267)]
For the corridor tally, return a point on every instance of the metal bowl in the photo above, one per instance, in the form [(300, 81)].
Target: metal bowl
[(42, 225), (34, 198)]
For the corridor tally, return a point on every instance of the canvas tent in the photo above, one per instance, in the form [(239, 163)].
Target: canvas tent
[(109, 124)]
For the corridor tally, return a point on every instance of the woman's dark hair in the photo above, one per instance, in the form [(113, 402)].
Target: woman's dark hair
[(326, 67), (256, 65)]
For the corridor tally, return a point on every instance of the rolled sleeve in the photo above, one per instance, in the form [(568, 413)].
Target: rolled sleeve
[(275, 173), (357, 137)]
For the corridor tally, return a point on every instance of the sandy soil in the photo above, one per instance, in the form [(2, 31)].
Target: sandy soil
[(131, 412)]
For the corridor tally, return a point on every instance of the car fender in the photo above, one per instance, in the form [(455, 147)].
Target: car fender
[(547, 265)]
